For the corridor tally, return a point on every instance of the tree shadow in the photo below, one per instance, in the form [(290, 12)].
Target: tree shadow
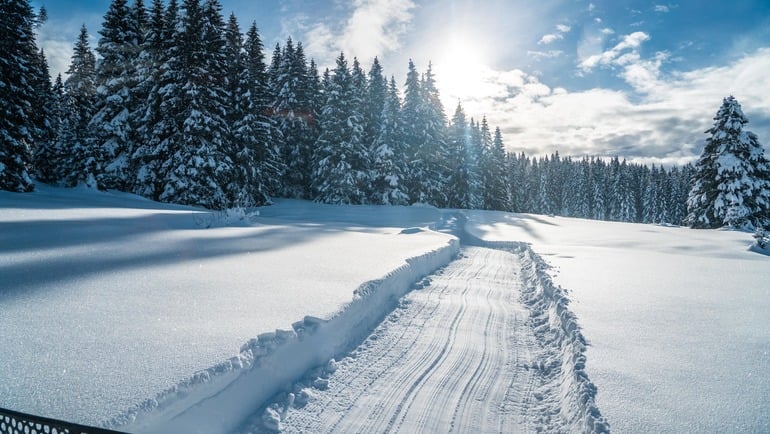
[(53, 263)]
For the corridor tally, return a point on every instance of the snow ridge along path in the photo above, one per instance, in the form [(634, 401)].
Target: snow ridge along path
[(485, 345), (218, 399)]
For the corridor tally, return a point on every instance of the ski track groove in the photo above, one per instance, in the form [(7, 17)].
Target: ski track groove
[(458, 355), (408, 399)]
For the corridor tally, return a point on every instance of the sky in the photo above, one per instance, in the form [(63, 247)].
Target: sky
[(638, 79)]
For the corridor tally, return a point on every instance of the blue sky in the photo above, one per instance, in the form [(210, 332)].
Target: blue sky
[(639, 79)]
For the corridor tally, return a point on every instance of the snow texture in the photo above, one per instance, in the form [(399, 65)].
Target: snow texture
[(108, 299), (470, 349), (676, 318)]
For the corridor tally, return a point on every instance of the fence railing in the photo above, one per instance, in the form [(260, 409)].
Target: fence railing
[(14, 422)]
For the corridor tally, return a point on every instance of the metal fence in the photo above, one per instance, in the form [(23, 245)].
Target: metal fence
[(14, 422)]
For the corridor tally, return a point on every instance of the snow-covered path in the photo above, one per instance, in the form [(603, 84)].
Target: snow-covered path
[(455, 356)]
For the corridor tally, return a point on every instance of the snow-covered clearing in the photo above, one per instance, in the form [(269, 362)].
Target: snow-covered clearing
[(123, 312), (467, 351), (112, 305), (678, 320)]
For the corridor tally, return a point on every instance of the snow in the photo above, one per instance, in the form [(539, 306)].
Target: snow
[(109, 300), (470, 350), (676, 318), (149, 317)]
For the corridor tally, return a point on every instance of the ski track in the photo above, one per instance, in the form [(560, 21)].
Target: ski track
[(459, 355)]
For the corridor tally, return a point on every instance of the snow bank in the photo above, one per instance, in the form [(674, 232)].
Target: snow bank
[(563, 359), (219, 398), (556, 328)]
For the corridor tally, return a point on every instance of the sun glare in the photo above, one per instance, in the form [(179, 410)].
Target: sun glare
[(460, 70)]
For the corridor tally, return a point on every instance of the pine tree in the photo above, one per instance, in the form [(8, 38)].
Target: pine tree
[(389, 168), (730, 186), (358, 106), (599, 198), (83, 158), (459, 183), (412, 120), (110, 126), (49, 154), (336, 172), (474, 154), (292, 117), (376, 94), (18, 57), (153, 118), (42, 103), (198, 168), (251, 149), (433, 148), (496, 195)]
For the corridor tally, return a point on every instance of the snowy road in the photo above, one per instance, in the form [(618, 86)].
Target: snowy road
[(459, 355)]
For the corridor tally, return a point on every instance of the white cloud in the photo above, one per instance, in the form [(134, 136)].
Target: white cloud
[(616, 54), (661, 8), (550, 54), (663, 123), (373, 27), (561, 29), (550, 38)]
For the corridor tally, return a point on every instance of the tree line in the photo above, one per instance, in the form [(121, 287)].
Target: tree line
[(182, 107)]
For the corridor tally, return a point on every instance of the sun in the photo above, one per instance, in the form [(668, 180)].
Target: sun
[(460, 70)]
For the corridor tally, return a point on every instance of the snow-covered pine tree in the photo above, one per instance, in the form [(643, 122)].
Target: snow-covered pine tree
[(496, 195), (238, 145), (42, 104), (83, 158), (138, 85), (433, 148), (543, 198), (273, 72), (153, 119), (336, 177), (582, 206), (358, 105), (198, 168), (555, 188), (110, 126), (518, 181), (376, 93), (730, 185), (650, 201), (474, 154), (18, 57), (267, 153), (412, 121), (460, 177), (389, 160), (598, 190), (313, 94), (291, 117), (49, 162), (250, 147)]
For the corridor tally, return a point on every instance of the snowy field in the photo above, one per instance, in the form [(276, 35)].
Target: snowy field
[(108, 299), (146, 317), (678, 319)]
